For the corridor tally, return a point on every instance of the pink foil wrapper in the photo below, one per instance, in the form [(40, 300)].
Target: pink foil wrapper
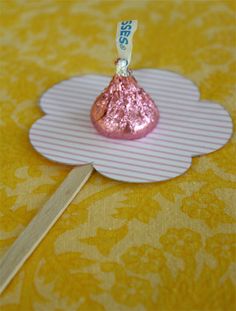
[(124, 110)]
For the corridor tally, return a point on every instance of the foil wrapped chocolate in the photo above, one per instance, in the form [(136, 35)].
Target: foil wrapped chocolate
[(124, 110)]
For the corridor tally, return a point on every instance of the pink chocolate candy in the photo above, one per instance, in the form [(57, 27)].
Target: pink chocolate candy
[(124, 110)]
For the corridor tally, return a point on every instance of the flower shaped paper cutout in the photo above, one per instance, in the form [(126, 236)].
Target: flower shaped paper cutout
[(187, 127)]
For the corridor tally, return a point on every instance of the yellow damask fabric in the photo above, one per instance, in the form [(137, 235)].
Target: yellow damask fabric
[(166, 246)]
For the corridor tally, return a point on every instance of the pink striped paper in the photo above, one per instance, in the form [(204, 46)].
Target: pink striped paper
[(188, 127)]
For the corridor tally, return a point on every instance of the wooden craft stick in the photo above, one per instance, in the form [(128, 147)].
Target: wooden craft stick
[(33, 234)]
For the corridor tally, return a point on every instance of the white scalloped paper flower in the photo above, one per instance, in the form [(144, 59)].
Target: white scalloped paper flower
[(187, 127)]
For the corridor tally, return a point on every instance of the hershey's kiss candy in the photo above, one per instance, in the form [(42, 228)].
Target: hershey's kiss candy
[(124, 110)]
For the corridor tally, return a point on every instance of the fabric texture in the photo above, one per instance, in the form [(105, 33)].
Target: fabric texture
[(167, 246)]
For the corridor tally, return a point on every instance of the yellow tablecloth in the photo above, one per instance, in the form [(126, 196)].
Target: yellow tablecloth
[(166, 246)]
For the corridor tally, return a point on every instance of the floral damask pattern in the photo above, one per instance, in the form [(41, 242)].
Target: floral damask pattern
[(207, 207), (168, 246)]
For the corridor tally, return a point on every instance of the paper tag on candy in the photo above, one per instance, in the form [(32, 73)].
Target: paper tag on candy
[(124, 110), (124, 39)]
